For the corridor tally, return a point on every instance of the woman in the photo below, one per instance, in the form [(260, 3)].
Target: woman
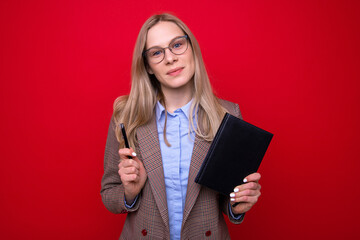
[(171, 116)]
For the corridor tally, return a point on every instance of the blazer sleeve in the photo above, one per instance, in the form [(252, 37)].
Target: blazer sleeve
[(112, 189), (233, 109)]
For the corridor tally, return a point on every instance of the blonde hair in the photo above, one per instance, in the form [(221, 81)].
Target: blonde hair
[(137, 108)]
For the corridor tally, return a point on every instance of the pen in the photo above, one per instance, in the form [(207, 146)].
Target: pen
[(124, 136)]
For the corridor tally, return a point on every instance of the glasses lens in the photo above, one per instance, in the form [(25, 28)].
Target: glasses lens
[(155, 54), (179, 45)]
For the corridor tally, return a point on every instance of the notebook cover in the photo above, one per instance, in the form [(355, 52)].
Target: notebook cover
[(236, 151)]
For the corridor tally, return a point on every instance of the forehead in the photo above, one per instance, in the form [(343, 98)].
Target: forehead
[(162, 33)]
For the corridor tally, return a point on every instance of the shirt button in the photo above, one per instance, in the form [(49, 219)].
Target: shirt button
[(144, 232), (208, 233)]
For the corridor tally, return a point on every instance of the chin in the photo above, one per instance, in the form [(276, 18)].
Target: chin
[(181, 82)]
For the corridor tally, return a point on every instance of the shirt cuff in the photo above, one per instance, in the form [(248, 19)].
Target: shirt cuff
[(133, 203), (234, 216)]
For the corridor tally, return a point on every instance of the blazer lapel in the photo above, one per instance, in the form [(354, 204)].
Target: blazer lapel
[(200, 150), (201, 147), (149, 147)]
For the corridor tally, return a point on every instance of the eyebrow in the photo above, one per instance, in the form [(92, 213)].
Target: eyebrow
[(157, 46)]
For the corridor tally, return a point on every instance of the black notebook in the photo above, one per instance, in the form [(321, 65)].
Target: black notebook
[(236, 151)]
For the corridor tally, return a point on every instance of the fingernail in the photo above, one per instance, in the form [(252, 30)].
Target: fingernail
[(134, 154), (236, 190), (232, 199), (245, 180), (232, 194)]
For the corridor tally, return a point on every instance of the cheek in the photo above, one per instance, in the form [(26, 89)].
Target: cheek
[(154, 70), (160, 77)]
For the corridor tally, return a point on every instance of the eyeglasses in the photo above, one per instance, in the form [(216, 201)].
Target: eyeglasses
[(177, 46)]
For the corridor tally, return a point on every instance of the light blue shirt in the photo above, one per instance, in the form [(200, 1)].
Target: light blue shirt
[(176, 161)]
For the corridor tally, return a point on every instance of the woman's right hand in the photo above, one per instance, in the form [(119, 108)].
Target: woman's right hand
[(132, 174)]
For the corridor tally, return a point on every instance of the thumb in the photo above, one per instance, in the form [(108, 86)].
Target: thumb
[(132, 153), (135, 157)]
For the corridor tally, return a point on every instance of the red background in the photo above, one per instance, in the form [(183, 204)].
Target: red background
[(293, 67)]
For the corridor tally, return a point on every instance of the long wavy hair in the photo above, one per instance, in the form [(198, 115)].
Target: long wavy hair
[(137, 108)]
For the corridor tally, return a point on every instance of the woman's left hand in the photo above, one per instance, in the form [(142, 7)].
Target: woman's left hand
[(246, 195)]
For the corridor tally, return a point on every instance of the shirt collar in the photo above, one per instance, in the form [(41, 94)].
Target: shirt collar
[(160, 110)]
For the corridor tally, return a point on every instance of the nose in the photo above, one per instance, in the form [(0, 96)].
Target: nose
[(169, 56)]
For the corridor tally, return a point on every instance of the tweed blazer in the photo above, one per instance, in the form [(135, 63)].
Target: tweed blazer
[(148, 218)]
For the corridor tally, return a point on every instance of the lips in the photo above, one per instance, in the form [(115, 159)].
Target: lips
[(175, 71)]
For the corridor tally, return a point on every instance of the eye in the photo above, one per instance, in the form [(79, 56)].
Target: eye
[(177, 44), (155, 53)]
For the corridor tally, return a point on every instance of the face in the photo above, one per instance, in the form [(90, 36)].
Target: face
[(175, 72)]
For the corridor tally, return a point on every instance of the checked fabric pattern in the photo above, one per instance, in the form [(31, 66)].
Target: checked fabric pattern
[(148, 219)]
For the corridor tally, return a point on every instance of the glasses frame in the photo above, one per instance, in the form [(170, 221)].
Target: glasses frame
[(163, 49)]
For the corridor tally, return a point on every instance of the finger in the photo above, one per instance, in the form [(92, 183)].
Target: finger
[(129, 163), (130, 170), (249, 185), (125, 178), (245, 199), (247, 192), (126, 153), (254, 177)]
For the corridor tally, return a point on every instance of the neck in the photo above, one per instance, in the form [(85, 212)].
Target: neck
[(176, 98)]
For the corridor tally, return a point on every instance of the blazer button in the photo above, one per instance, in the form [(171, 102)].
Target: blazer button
[(208, 233), (144, 232)]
